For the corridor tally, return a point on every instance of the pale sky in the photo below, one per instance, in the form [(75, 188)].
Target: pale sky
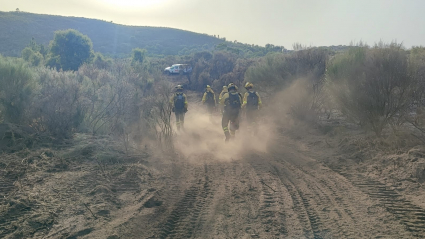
[(279, 22)]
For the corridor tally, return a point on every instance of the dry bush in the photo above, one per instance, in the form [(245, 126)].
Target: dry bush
[(217, 69), (57, 106), (111, 99), (90, 100), (416, 115), (372, 86), (156, 113)]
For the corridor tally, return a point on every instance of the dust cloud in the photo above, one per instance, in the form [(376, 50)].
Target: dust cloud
[(203, 137)]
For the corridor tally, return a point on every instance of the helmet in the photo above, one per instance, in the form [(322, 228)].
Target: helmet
[(179, 88), (225, 87), (232, 87), (249, 85)]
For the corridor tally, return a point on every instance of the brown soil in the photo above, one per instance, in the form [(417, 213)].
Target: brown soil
[(303, 185)]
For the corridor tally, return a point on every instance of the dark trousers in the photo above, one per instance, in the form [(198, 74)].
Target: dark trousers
[(252, 117), (179, 120), (233, 118), (210, 109)]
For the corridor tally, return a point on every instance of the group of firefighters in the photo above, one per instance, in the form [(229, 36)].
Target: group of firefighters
[(231, 103)]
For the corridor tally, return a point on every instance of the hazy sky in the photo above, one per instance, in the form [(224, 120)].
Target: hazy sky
[(279, 22)]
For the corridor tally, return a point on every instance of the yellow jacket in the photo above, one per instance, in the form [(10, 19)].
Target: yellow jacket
[(204, 97), (245, 99), (222, 93), (174, 97)]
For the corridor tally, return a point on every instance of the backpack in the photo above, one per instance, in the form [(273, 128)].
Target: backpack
[(252, 101), (179, 102), (209, 100), (233, 102)]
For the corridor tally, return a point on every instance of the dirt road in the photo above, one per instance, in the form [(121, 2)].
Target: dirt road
[(279, 194), (277, 191)]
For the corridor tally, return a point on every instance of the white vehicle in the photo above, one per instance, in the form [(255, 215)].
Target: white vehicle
[(178, 69)]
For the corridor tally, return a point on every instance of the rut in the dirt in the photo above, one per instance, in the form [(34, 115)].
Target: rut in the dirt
[(327, 204), (186, 218), (280, 194), (412, 216)]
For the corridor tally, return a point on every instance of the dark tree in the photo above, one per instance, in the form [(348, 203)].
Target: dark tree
[(71, 49), (139, 55)]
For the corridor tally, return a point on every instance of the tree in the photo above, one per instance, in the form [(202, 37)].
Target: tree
[(101, 62), (27, 53), (70, 49), (138, 55)]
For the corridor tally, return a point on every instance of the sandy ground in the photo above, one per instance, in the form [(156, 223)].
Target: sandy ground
[(277, 184)]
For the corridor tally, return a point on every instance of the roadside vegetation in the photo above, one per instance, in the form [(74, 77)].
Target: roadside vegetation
[(66, 87), (65, 103)]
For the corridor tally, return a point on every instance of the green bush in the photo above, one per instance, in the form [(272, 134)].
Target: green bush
[(16, 90), (26, 53), (101, 62)]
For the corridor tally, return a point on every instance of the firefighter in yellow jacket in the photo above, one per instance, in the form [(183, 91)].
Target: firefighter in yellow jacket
[(232, 102), (224, 91), (209, 100), (252, 104), (178, 102)]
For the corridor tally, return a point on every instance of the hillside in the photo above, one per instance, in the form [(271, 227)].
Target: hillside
[(108, 38)]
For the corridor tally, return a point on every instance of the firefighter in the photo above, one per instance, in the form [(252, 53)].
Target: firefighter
[(224, 91), (232, 102), (251, 103), (178, 102), (209, 100)]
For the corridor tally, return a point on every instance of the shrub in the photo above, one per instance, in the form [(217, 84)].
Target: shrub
[(156, 113), (16, 90), (57, 107), (372, 86), (111, 98), (101, 62), (301, 71), (417, 71)]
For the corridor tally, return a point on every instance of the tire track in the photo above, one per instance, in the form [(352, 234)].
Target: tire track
[(187, 217), (271, 210), (325, 201), (410, 215), (329, 201), (307, 215), (273, 219)]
